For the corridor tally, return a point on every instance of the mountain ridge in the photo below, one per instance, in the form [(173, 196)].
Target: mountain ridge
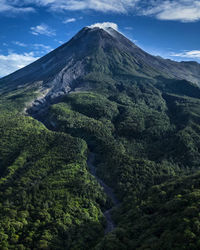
[(50, 67)]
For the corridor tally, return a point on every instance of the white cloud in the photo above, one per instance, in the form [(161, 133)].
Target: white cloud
[(10, 8), (178, 10), (69, 20), (195, 54), (128, 28), (120, 6), (46, 48), (37, 46), (42, 29), (59, 41), (13, 61), (19, 44), (104, 25)]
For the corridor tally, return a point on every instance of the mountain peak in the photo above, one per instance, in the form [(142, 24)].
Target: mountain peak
[(106, 26), (98, 48)]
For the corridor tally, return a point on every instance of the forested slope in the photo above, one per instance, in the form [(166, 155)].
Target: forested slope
[(142, 140), (48, 199)]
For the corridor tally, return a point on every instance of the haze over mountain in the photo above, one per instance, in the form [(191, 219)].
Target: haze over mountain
[(100, 149)]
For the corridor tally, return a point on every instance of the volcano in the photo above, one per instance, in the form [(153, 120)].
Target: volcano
[(94, 51)]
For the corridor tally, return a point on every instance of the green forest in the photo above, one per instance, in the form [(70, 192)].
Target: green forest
[(146, 137), (143, 128)]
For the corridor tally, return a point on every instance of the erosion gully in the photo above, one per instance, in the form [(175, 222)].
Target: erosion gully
[(110, 223)]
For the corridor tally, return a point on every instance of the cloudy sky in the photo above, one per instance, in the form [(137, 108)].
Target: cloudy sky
[(32, 28)]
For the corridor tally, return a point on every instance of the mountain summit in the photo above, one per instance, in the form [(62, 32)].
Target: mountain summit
[(94, 51)]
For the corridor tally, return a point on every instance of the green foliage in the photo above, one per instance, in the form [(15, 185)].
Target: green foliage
[(63, 118), (143, 136), (14, 99), (144, 130), (47, 196), (165, 217), (92, 105)]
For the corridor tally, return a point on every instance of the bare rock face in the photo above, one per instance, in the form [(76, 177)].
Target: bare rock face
[(62, 82)]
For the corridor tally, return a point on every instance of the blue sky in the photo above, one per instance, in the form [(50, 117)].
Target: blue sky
[(32, 28)]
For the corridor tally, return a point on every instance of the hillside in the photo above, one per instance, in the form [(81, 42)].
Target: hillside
[(100, 93)]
